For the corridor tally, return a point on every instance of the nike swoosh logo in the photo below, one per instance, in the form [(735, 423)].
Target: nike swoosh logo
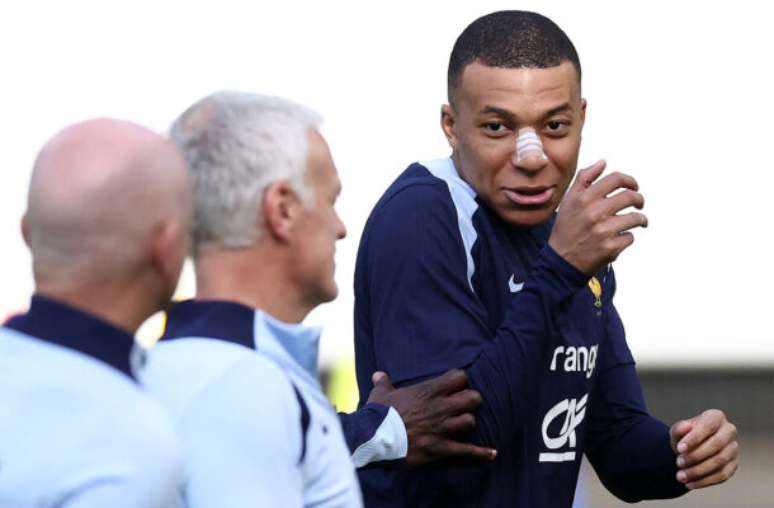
[(514, 286)]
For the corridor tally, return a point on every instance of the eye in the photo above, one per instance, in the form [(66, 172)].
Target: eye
[(557, 127), (495, 128)]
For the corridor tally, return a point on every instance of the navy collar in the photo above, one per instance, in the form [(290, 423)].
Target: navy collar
[(228, 321), (243, 325), (63, 325)]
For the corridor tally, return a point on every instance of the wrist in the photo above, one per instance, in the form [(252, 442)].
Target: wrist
[(567, 255)]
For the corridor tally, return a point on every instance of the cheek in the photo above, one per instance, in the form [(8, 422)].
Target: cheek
[(325, 235), (484, 158), (564, 154)]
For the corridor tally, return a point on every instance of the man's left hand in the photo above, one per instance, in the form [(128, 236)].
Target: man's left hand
[(707, 449)]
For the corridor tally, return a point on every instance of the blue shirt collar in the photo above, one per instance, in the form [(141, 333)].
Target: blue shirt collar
[(63, 325), (237, 323), (300, 341)]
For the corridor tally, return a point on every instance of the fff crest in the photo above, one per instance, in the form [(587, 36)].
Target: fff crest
[(596, 290)]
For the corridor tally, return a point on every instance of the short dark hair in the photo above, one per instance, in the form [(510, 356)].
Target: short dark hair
[(511, 39)]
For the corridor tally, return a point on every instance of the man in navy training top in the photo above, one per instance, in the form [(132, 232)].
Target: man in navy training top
[(109, 208), (235, 367), (465, 263)]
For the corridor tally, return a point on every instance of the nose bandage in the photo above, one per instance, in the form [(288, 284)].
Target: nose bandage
[(528, 145)]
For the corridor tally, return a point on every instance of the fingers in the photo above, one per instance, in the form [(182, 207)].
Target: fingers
[(457, 424), (449, 448), (707, 447), (703, 426), (724, 441), (715, 463), (381, 379), (621, 200), (463, 402), (619, 223), (617, 244), (612, 182), (382, 389), (678, 431), (587, 176), (718, 477), (451, 381)]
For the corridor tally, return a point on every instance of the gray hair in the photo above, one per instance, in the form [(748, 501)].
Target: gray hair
[(236, 144)]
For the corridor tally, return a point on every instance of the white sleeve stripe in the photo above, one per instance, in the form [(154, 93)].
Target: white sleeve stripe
[(464, 198), (390, 442)]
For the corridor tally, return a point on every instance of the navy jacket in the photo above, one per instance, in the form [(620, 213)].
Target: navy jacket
[(443, 282)]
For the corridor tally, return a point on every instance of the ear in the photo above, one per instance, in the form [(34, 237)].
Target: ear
[(448, 125), (168, 250), (25, 230), (280, 210), (583, 112)]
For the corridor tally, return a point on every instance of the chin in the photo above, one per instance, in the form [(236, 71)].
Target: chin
[(329, 293), (526, 218)]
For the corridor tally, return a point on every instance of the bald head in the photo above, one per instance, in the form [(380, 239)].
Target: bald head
[(99, 192)]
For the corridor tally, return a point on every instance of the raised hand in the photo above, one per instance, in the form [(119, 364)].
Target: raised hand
[(589, 231)]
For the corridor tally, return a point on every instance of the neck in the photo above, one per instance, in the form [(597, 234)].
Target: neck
[(455, 157), (122, 307), (255, 276)]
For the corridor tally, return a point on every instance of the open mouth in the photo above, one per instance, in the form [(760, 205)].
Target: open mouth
[(529, 196)]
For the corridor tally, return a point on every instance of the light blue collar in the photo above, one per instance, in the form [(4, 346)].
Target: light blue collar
[(445, 170), (300, 342)]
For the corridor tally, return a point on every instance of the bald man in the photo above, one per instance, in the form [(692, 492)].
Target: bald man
[(108, 210)]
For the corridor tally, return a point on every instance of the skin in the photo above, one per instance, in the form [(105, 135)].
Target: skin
[(318, 227), (290, 270), (707, 449), (432, 411), (489, 106), (107, 222)]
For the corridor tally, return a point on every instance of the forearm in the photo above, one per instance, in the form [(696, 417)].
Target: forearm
[(640, 463), (629, 449)]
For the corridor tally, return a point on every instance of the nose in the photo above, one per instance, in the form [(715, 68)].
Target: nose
[(531, 164), (529, 155), (341, 229)]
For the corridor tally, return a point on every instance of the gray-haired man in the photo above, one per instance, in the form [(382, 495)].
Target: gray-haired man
[(235, 367)]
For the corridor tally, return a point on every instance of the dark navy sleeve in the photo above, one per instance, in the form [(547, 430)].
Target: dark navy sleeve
[(416, 315), (628, 448), (506, 372), (426, 318)]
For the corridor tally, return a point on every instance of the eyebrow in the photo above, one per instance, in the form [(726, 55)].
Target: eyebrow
[(558, 109), (504, 113)]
